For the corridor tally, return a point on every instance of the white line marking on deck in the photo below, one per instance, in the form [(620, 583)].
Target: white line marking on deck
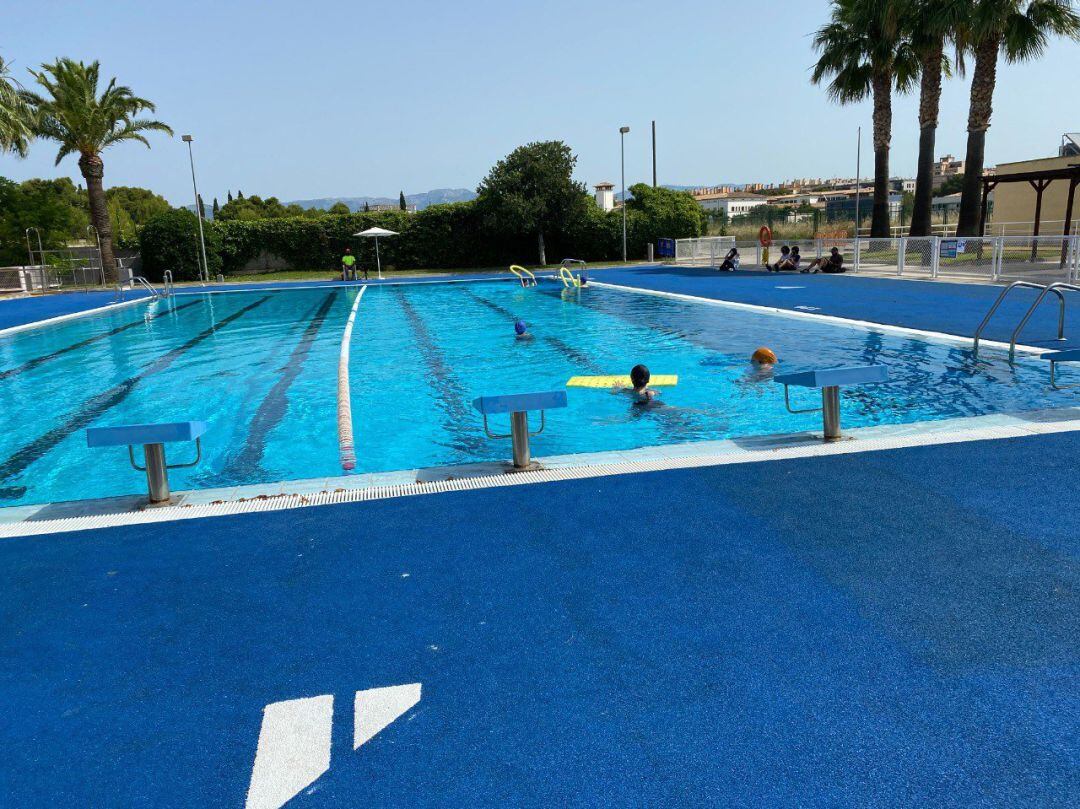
[(293, 751), (789, 287), (376, 708)]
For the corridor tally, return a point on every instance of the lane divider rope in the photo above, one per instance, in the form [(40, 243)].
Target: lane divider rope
[(344, 397)]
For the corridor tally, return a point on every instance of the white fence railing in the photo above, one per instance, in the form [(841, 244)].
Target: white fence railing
[(706, 250), (987, 258)]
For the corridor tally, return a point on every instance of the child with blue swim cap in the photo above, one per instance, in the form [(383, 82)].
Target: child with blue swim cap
[(521, 331)]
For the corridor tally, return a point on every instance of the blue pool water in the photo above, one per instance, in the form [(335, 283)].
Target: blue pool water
[(261, 368)]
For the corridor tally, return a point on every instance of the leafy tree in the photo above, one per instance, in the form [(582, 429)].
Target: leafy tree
[(239, 194), (1018, 30), (664, 212), (54, 207), (929, 25), (215, 207), (401, 201), (532, 190), (139, 204), (229, 198), (15, 116), (71, 112), (201, 206), (863, 50), (951, 185), (367, 208), (339, 209)]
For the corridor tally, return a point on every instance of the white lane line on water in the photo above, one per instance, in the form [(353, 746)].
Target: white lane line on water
[(375, 708), (293, 751), (344, 418)]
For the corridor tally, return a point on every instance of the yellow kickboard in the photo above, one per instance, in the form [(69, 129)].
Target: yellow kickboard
[(619, 381)]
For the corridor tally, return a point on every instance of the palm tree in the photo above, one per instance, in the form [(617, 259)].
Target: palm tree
[(73, 114), (863, 50), (929, 25), (15, 125), (1019, 31)]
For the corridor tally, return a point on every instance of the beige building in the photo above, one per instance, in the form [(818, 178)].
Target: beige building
[(1014, 202), (946, 167)]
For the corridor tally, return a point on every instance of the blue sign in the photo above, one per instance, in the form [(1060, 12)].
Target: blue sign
[(665, 248)]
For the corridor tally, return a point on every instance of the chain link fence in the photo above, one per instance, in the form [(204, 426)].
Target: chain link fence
[(706, 250)]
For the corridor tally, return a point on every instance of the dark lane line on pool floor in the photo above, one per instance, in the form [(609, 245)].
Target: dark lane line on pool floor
[(96, 406), (36, 361), (274, 405), (560, 345), (451, 397)]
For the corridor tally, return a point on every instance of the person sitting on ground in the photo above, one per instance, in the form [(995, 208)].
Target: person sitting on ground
[(785, 259), (348, 266), (521, 330), (731, 261), (639, 379), (763, 358), (794, 259), (832, 263)]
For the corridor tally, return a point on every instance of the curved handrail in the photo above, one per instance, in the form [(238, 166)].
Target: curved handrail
[(997, 303), (566, 262), (525, 276), (568, 279), (138, 279), (167, 280), (1056, 289)]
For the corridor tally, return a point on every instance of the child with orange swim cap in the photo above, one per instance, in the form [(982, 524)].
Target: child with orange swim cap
[(763, 356)]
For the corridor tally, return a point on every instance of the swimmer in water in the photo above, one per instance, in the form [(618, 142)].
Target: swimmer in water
[(521, 331), (639, 379), (763, 359)]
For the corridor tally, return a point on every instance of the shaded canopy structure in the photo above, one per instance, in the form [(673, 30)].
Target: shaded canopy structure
[(1038, 180), (375, 233)]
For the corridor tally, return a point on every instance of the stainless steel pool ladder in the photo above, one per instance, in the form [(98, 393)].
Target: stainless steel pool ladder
[(138, 279), (1004, 293), (167, 281), (1056, 288)]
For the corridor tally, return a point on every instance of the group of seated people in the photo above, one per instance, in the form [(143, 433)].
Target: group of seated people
[(790, 261)]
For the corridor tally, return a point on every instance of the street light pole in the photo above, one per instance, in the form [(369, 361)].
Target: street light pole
[(198, 209), (858, 185), (622, 160)]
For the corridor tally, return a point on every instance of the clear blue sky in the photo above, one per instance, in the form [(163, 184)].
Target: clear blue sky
[(331, 98)]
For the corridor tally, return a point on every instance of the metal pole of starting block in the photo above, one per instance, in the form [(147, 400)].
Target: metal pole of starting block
[(830, 412), (519, 435), (157, 473)]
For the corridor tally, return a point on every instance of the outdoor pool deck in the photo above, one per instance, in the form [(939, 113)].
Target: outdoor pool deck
[(887, 628), (898, 627)]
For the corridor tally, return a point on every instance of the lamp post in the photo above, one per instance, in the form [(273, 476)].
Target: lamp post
[(198, 209), (622, 160)]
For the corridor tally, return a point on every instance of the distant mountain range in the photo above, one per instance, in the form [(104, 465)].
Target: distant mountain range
[(434, 197)]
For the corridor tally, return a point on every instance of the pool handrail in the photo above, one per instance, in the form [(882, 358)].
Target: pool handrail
[(1001, 297), (1056, 288), (524, 275)]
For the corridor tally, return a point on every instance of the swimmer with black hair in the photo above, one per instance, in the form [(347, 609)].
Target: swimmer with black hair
[(639, 380)]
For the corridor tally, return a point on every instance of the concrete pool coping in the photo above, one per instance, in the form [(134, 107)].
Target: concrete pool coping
[(82, 515)]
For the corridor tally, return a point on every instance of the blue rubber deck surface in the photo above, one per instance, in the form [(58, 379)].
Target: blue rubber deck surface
[(931, 305), (894, 628)]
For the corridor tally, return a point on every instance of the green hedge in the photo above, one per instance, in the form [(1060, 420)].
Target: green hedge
[(438, 237)]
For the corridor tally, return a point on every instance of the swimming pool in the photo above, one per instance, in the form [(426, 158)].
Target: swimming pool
[(261, 368)]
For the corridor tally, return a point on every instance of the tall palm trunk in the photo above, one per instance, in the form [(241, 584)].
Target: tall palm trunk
[(929, 104), (93, 170), (879, 222), (982, 96)]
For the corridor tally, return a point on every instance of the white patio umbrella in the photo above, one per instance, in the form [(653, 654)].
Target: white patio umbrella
[(375, 233)]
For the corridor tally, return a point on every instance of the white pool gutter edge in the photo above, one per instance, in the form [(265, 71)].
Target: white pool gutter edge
[(92, 514)]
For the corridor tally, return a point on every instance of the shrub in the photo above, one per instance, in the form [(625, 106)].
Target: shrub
[(170, 241)]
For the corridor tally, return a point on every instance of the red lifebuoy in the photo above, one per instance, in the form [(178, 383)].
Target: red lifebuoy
[(764, 236)]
